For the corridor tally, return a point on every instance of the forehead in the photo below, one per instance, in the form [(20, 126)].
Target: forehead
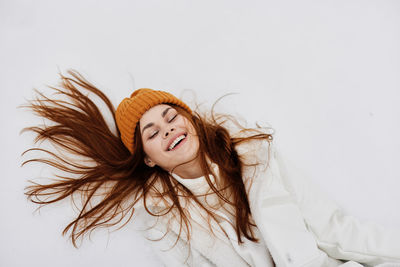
[(153, 114)]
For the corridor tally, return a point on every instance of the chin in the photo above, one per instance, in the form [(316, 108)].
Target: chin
[(193, 146), (190, 152)]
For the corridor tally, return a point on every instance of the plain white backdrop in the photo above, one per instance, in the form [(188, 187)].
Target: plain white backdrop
[(324, 74)]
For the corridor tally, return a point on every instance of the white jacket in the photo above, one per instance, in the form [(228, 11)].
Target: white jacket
[(299, 225)]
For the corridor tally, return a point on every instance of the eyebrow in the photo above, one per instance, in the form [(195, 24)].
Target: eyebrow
[(165, 112), (151, 124)]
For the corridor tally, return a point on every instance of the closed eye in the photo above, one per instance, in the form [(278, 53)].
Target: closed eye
[(153, 134), (173, 118)]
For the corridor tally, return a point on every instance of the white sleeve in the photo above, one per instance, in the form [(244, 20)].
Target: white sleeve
[(175, 255), (341, 236), (163, 248)]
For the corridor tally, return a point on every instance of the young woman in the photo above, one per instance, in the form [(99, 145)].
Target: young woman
[(215, 193)]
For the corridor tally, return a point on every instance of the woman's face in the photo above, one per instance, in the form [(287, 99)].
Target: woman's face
[(169, 139)]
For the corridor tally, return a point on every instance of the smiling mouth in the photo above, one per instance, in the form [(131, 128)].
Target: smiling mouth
[(177, 141)]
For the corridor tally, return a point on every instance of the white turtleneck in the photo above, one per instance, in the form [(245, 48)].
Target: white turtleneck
[(254, 254)]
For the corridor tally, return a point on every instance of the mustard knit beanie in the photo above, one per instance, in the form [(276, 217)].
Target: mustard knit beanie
[(130, 110)]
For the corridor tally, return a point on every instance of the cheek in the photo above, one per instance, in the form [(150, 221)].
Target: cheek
[(189, 126), (154, 151), (150, 148), (196, 143)]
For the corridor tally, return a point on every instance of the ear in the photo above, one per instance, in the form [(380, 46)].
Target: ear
[(149, 162)]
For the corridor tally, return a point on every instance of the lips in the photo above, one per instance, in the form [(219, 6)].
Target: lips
[(176, 140)]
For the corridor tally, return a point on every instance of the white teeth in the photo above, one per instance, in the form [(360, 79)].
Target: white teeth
[(176, 141)]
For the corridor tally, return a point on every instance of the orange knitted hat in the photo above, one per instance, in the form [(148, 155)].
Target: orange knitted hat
[(130, 110)]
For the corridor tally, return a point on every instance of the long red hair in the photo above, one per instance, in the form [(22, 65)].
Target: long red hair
[(98, 168)]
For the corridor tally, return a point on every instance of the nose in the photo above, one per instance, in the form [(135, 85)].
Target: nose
[(168, 131)]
